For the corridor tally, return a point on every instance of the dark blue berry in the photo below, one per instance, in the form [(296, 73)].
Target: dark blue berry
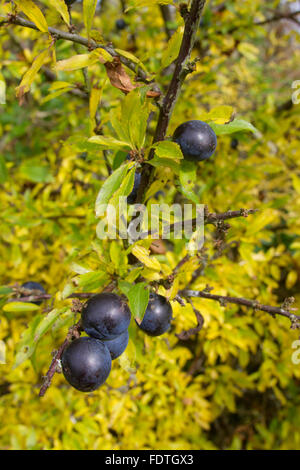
[(35, 286), (105, 316), (121, 24), (158, 316), (117, 345), (86, 364), (196, 139)]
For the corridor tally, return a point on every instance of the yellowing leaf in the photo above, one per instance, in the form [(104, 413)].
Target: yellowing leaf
[(2, 90), (95, 97), (20, 307), (296, 182), (131, 57), (34, 14), (260, 221), (89, 8), (59, 85), (219, 115), (172, 50), (76, 62), (109, 142), (291, 279), (62, 9), (142, 254), (166, 149), (147, 3), (102, 55), (30, 75), (248, 50)]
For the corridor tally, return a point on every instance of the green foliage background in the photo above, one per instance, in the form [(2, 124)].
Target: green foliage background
[(232, 386)]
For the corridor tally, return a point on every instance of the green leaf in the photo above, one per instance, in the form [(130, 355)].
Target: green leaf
[(167, 149), (109, 143), (159, 162), (134, 117), (91, 281), (172, 50), (124, 287), (3, 170), (20, 307), (35, 172), (111, 185), (138, 297), (235, 126), (27, 345), (5, 290), (190, 195), (89, 8), (125, 188), (47, 323), (188, 174)]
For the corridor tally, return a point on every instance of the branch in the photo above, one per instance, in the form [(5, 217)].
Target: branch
[(211, 218), (74, 332), (192, 20), (36, 296), (186, 334), (76, 38), (223, 300), (278, 17)]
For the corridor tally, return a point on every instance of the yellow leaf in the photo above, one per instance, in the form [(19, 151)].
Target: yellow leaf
[(142, 254), (59, 85), (96, 36), (172, 50), (62, 9), (30, 75), (34, 14), (248, 50), (2, 90), (76, 62), (291, 279), (131, 57), (89, 8), (174, 289), (296, 182), (95, 97), (102, 55), (219, 115)]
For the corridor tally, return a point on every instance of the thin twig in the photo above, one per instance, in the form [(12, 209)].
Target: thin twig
[(278, 17), (223, 300), (186, 334), (74, 332), (76, 38), (211, 218)]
